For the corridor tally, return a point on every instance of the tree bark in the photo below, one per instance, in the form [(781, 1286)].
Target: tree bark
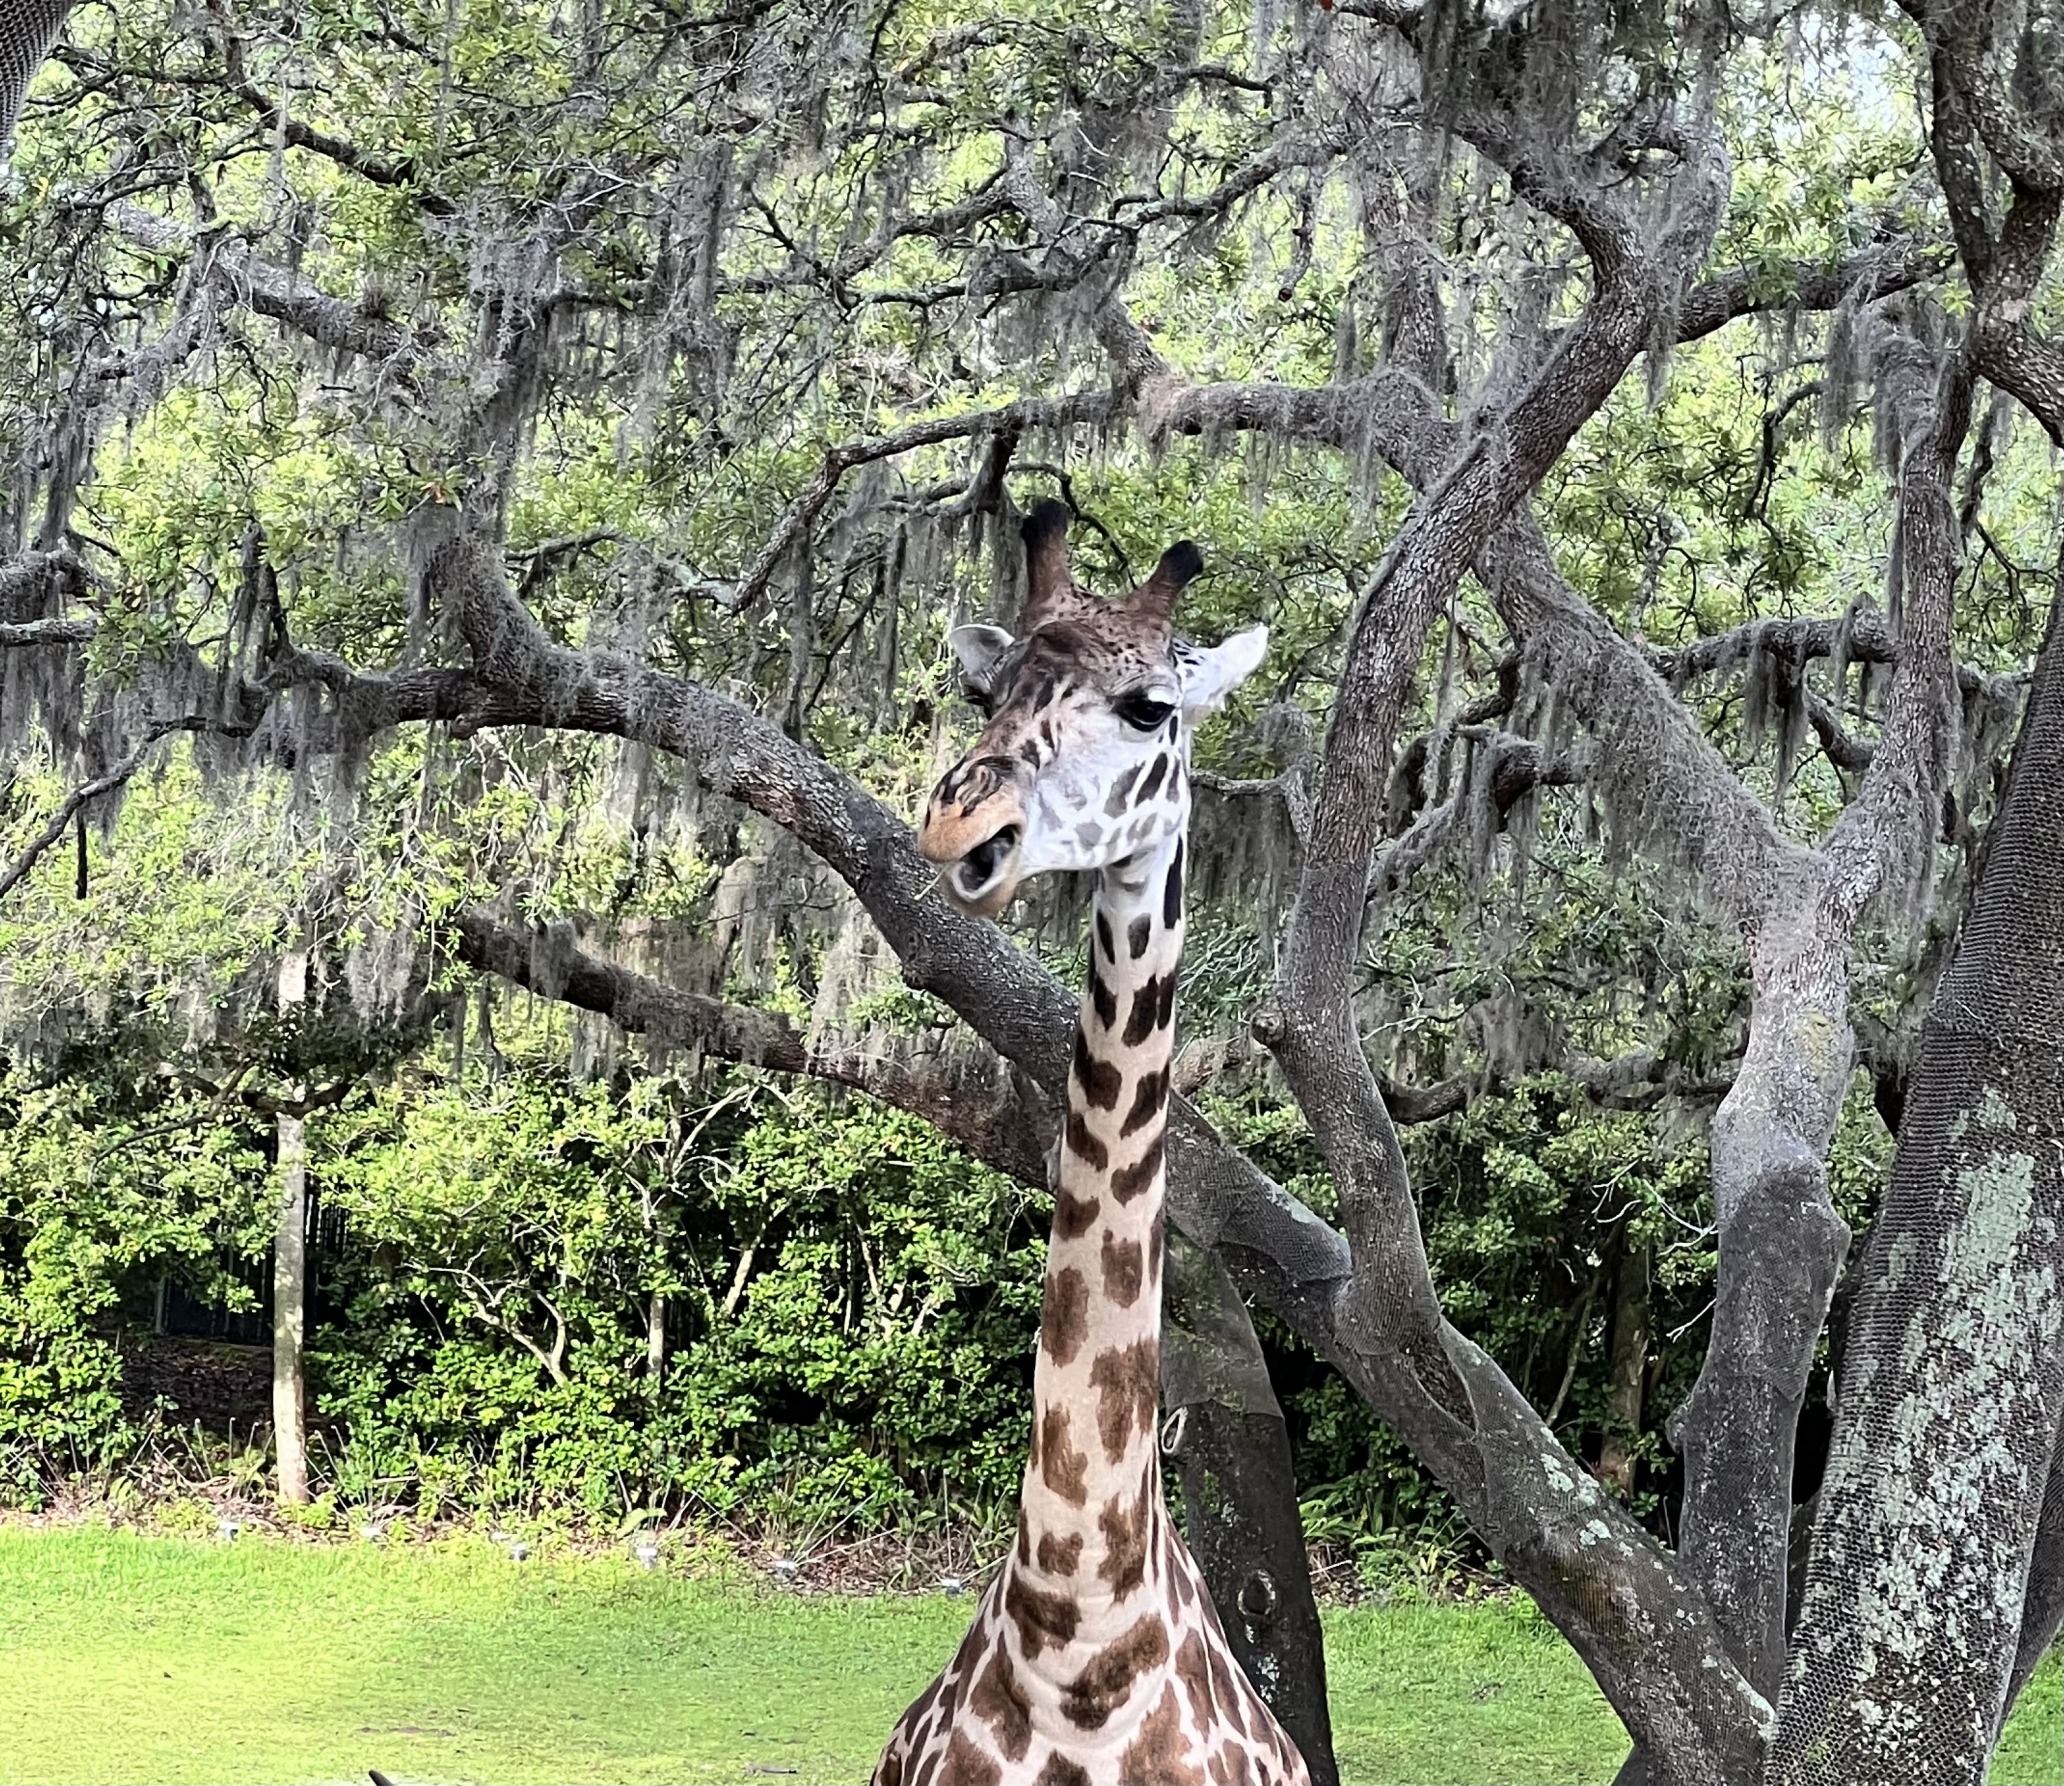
[(2042, 1613), (1230, 1449), (655, 1341), (1627, 1337), (1953, 1373), (28, 32), (290, 1269)]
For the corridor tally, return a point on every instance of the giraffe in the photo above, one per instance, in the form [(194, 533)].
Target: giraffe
[(1095, 1657)]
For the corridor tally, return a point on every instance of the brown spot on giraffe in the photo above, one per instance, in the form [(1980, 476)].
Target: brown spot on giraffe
[(1195, 1674), (1043, 1620), (1148, 1098), (1101, 1082), (1000, 1702), (1127, 1380), (1226, 1696), (1060, 1771), (1061, 1467), (1132, 1181), (1138, 934), (1064, 1315), (1105, 1682), (1124, 1269), (1161, 1751), (1125, 1540), (1073, 1215), (1059, 1556), (1085, 1146), (966, 1765), (1105, 1002), (1140, 1021)]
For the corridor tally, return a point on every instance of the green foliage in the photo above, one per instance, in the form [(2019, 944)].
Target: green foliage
[(101, 1183), (848, 1308)]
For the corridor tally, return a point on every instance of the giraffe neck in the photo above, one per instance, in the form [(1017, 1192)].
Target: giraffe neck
[(1092, 1493)]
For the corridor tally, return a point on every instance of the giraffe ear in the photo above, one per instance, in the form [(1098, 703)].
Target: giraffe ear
[(976, 649), (1210, 674)]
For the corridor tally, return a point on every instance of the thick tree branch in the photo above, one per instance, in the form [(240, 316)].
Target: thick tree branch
[(244, 278), (977, 1104), (1875, 272)]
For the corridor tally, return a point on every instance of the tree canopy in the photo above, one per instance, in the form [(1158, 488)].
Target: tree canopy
[(487, 488)]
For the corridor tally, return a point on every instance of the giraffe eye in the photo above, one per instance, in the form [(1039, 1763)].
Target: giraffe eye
[(1143, 712)]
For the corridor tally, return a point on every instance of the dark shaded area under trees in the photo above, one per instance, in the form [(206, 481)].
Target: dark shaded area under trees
[(511, 537)]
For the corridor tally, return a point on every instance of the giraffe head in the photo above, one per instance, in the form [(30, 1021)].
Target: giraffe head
[(1082, 758)]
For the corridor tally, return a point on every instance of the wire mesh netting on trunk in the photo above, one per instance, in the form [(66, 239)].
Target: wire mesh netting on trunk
[(1947, 1424)]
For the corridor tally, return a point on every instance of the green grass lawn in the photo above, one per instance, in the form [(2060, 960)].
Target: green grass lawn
[(154, 1659)]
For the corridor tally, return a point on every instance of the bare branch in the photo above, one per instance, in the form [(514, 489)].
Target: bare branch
[(82, 797), (801, 514), (975, 1102), (403, 173)]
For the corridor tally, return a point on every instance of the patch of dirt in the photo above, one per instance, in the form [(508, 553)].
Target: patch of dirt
[(188, 1382)]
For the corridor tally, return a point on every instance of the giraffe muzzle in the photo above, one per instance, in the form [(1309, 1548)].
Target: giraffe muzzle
[(983, 879)]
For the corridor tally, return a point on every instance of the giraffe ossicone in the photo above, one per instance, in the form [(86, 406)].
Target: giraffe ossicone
[(1095, 1657)]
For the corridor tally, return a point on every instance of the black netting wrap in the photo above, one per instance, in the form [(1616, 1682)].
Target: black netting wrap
[(27, 30), (1954, 1373)]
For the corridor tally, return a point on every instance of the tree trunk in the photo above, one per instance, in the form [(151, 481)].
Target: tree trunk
[(655, 1341), (1628, 1340), (290, 1272), (28, 30), (1231, 1453), (1953, 1375), (2042, 1614)]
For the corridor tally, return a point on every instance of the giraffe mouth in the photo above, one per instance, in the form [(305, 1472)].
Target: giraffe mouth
[(984, 879)]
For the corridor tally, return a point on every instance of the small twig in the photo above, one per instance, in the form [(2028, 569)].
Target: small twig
[(802, 513), (79, 798)]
